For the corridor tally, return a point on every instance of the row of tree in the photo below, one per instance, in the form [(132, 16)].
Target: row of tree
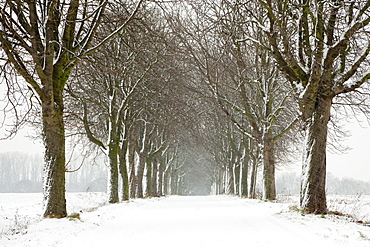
[(22, 172), (182, 95)]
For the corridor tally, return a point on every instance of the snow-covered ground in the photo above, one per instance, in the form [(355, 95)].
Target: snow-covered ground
[(182, 221)]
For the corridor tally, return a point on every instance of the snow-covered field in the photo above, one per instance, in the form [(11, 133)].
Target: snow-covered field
[(182, 221)]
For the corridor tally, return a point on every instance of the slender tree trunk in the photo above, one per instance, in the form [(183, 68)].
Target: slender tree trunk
[(221, 179), (237, 178), (113, 173), (54, 168), (231, 179), (252, 188), (166, 181), (313, 197), (174, 182), (149, 175), (244, 177), (123, 171), (140, 176), (131, 161), (155, 178), (160, 176), (269, 190)]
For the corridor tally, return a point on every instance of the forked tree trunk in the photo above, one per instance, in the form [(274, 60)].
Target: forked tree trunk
[(313, 197), (54, 168), (269, 190)]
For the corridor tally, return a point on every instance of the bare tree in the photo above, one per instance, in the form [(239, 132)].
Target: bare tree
[(43, 41), (323, 49), (240, 75)]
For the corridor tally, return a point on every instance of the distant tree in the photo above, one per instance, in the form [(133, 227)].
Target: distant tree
[(241, 76), (43, 41), (20, 172)]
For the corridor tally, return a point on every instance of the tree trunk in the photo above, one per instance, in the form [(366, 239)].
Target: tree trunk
[(113, 173), (221, 179), (231, 179), (252, 188), (174, 182), (140, 176), (123, 172), (237, 178), (313, 197), (54, 168), (269, 190), (149, 175), (244, 177), (131, 162), (155, 178), (161, 166), (166, 181)]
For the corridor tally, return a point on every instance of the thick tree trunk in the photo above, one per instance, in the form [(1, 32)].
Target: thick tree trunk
[(313, 197), (54, 168), (269, 190)]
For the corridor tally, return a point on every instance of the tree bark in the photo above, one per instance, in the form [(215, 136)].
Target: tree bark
[(131, 162), (221, 179), (252, 188), (166, 181), (161, 167), (174, 181), (140, 176), (313, 196), (149, 175), (123, 171), (244, 177), (113, 173), (269, 190), (54, 168), (231, 179), (237, 178), (155, 178)]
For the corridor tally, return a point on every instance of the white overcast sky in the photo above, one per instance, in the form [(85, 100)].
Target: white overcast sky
[(354, 163)]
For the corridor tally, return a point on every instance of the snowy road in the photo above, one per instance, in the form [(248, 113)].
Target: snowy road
[(192, 222)]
